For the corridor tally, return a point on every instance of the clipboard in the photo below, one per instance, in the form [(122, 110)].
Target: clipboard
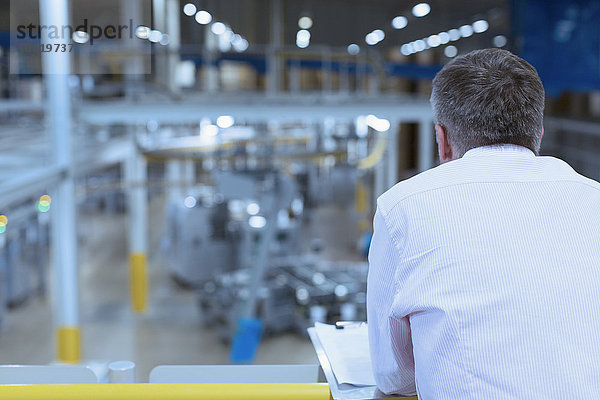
[(345, 391)]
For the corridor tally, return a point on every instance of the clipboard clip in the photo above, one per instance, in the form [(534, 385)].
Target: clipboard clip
[(349, 324)]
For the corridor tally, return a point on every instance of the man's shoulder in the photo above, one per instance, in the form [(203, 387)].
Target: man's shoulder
[(471, 171), (434, 178)]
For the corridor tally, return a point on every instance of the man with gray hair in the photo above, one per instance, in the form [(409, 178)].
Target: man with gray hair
[(484, 276)]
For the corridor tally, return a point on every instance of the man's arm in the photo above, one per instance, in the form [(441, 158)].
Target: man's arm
[(389, 339)]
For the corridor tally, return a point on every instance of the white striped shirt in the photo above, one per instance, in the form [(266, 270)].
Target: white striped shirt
[(484, 280)]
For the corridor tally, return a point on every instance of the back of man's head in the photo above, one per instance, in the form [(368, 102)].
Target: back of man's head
[(489, 97)]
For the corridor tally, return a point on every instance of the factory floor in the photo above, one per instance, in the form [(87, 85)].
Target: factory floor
[(169, 332)]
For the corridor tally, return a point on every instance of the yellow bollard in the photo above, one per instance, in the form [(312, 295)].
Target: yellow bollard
[(139, 281), (68, 344)]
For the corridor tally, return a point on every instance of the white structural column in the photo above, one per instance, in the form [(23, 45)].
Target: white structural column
[(136, 178), (131, 10), (392, 154), (174, 178), (274, 60), (56, 69), (174, 31), (426, 144), (381, 172)]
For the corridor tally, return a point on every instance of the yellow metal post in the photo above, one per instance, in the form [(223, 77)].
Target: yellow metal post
[(139, 281), (136, 175), (67, 344)]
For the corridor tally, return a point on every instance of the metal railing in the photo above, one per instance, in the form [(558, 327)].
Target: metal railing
[(151, 391)]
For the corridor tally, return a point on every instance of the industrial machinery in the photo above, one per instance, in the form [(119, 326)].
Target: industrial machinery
[(210, 231), (293, 296)]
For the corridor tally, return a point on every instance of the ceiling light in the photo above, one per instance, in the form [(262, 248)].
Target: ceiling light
[(305, 22), (302, 38), (257, 221), (142, 32), (444, 37), (303, 35), (454, 34), (419, 45), (209, 130), (450, 51), (434, 41), (500, 41), (406, 49), (466, 31), (480, 26), (379, 34), (80, 37), (225, 121), (399, 22), (189, 9), (353, 49), (203, 17), (190, 202), (218, 28), (370, 39), (421, 10), (379, 124), (155, 36)]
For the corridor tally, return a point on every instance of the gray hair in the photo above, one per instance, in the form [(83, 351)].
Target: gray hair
[(489, 97)]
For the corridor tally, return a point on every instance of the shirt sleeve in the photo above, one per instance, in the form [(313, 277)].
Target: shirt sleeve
[(389, 338)]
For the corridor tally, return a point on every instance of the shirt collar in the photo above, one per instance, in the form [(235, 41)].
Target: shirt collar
[(499, 148)]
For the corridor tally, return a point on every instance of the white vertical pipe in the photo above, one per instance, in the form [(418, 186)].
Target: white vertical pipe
[(426, 144), (138, 202), (136, 177), (173, 173), (174, 32), (392, 154), (189, 173), (380, 174), (274, 62), (56, 69)]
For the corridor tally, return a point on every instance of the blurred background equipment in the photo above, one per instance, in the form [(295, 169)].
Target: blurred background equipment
[(193, 181)]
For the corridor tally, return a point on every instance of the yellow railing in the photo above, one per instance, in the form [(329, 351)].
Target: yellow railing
[(154, 391)]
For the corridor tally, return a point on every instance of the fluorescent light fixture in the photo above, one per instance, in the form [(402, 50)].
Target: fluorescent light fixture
[(189, 9), (305, 22), (257, 221), (203, 17), (225, 121), (434, 41), (500, 41), (80, 37), (379, 124), (353, 49), (218, 28), (142, 32), (209, 130), (450, 51), (480, 26), (399, 22), (454, 34), (190, 202), (406, 49), (419, 45), (444, 37), (466, 31), (421, 10), (155, 36)]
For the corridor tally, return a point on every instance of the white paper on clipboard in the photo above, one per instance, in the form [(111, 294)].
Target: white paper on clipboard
[(348, 352)]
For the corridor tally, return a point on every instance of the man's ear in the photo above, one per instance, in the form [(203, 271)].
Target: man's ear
[(444, 148)]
